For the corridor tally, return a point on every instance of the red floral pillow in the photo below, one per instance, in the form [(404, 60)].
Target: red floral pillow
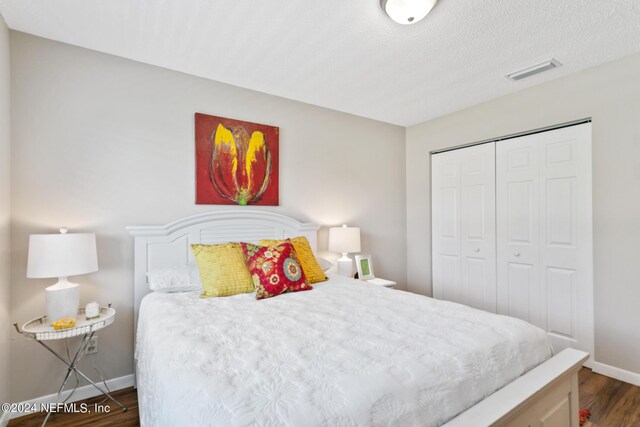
[(274, 269)]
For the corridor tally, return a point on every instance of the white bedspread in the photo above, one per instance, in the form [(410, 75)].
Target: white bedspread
[(344, 354)]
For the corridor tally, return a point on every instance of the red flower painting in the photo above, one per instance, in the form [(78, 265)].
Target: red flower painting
[(236, 162)]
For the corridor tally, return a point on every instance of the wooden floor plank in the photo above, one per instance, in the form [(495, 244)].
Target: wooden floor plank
[(612, 403), (116, 417)]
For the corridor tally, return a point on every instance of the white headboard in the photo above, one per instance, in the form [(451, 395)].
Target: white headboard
[(164, 246)]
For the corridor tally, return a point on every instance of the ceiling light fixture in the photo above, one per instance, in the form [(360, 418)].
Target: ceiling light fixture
[(407, 12)]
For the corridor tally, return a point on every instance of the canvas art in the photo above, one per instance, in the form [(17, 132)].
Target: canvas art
[(236, 162)]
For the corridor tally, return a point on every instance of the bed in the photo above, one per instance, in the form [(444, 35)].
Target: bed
[(346, 353)]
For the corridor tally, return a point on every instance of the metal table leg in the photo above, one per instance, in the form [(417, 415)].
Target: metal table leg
[(72, 367)]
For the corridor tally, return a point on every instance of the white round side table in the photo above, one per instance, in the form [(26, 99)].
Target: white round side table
[(40, 330)]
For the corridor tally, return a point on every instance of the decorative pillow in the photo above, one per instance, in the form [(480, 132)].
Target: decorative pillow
[(223, 270), (309, 263), (275, 269), (185, 278)]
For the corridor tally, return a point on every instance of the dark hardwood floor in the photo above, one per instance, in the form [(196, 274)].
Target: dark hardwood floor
[(612, 403), (115, 417)]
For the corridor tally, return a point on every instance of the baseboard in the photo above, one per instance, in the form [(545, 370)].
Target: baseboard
[(617, 373), (81, 393), (4, 419)]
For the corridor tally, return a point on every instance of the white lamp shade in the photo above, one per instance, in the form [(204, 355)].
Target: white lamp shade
[(61, 255), (344, 239), (407, 12)]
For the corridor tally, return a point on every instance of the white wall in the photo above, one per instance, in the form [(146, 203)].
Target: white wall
[(610, 94), (101, 142), (5, 209)]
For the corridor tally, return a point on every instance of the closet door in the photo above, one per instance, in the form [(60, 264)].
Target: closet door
[(518, 229), (463, 226), (544, 234)]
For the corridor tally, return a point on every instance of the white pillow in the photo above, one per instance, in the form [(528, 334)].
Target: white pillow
[(325, 264), (185, 278)]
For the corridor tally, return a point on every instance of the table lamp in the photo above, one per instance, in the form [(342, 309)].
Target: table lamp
[(344, 240), (62, 255)]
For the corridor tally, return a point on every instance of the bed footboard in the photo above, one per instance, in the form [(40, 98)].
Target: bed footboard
[(546, 396)]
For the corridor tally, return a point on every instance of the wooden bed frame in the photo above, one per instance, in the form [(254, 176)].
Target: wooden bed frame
[(546, 396)]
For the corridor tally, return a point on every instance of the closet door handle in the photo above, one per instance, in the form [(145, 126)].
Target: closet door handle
[(517, 254), (476, 250)]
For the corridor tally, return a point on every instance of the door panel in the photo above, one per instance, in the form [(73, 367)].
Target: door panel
[(561, 211), (567, 251), (478, 248), (474, 205), (445, 227), (450, 277), (476, 276), (521, 285), (544, 219), (561, 288), (518, 225), (449, 213), (520, 213), (463, 226)]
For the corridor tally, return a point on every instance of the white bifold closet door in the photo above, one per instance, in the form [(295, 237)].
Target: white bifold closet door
[(512, 231), (464, 236), (544, 233)]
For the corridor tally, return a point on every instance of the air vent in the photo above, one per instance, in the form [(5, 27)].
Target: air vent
[(534, 69)]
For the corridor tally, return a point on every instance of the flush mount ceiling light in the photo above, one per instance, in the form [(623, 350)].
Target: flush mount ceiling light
[(407, 12)]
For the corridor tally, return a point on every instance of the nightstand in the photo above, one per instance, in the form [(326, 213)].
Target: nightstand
[(41, 331), (382, 282)]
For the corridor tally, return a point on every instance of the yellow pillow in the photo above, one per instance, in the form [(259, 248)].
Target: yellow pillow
[(308, 260), (223, 270)]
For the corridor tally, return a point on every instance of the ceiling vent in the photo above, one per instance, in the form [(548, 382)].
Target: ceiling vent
[(534, 69)]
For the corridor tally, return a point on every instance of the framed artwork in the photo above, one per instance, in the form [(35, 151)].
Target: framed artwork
[(365, 269), (236, 162)]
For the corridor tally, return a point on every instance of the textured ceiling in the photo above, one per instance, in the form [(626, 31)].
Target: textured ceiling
[(346, 54)]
